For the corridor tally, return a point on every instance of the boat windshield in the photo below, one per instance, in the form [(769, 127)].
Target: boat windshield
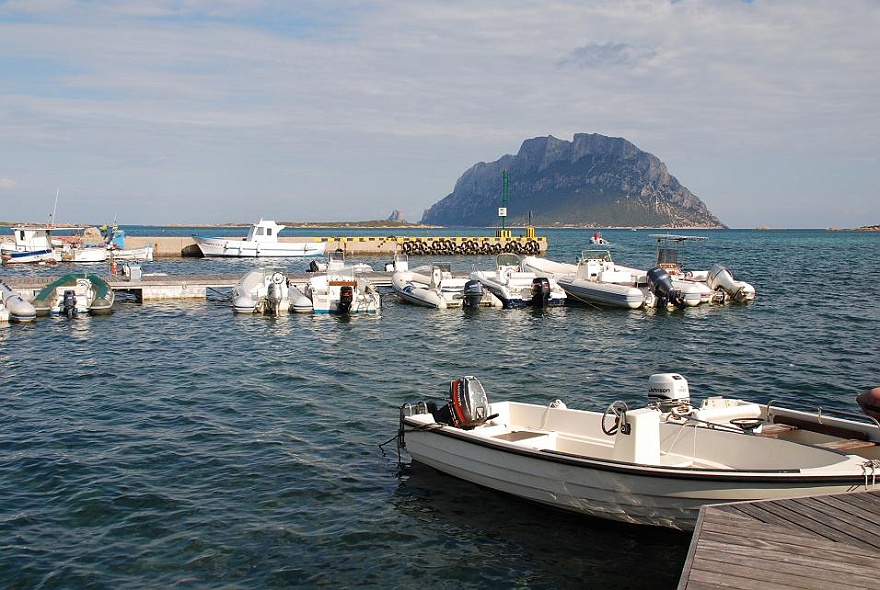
[(604, 255), (507, 259)]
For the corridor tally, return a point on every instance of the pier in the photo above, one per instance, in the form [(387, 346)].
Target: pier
[(164, 287), (185, 246), (816, 542)]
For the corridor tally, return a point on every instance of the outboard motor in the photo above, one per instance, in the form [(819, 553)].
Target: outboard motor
[(473, 293), (468, 403), (346, 298), (314, 266), (660, 284), (540, 291), (720, 278), (669, 391), (68, 303), (274, 297)]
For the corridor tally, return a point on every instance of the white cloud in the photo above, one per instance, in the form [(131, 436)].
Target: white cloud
[(226, 110)]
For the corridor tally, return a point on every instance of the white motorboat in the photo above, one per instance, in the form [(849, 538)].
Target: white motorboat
[(716, 285), (83, 253), (336, 261), (435, 286), (30, 244), (655, 465), (597, 240), (518, 287), (267, 291), (261, 241), (596, 280), (114, 238), (342, 291), (14, 307), (73, 295)]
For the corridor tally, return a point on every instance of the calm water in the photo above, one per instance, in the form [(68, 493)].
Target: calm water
[(173, 444)]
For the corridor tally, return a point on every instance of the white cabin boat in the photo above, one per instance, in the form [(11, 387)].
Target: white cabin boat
[(518, 287), (655, 465), (435, 286), (14, 307), (261, 241), (30, 244)]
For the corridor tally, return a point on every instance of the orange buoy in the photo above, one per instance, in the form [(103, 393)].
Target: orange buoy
[(869, 401)]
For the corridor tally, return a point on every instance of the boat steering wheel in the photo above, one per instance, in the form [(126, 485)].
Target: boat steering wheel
[(747, 424), (277, 278), (618, 410)]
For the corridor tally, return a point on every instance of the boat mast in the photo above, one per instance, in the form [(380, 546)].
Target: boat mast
[(54, 208)]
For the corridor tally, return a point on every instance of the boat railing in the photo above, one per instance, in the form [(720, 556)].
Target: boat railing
[(831, 421)]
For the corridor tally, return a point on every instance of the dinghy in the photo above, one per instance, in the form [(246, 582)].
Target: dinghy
[(267, 291), (652, 465), (14, 307), (434, 286), (519, 287), (73, 295)]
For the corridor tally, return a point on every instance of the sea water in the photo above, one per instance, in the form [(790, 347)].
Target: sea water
[(174, 444)]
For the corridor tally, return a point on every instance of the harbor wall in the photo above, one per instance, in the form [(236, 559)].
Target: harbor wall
[(185, 246)]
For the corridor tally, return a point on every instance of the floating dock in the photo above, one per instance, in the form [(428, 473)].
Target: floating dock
[(816, 542), (185, 246), (164, 287)]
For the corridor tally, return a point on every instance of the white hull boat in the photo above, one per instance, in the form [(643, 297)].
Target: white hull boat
[(83, 253), (516, 287), (14, 307), (75, 294), (342, 292), (142, 254), (336, 261), (655, 465), (434, 286), (261, 241), (596, 280), (264, 291), (31, 244)]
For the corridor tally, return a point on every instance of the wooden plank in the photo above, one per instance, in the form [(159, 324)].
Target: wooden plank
[(809, 543)]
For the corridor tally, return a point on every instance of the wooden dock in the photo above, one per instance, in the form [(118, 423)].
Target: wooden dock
[(817, 542), (162, 287)]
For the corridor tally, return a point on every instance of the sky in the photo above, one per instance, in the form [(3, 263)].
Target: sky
[(220, 111)]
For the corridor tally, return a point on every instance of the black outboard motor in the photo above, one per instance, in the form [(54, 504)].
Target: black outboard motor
[(660, 284), (473, 293), (346, 297), (313, 266), (540, 291), (68, 303)]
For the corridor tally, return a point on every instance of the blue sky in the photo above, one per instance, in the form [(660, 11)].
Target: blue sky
[(213, 111)]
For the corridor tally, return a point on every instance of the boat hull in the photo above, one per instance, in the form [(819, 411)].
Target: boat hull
[(29, 257), (16, 307), (605, 294)]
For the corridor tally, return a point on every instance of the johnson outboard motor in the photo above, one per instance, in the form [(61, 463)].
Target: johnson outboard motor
[(540, 291), (669, 391), (473, 293), (346, 298), (660, 284), (68, 303)]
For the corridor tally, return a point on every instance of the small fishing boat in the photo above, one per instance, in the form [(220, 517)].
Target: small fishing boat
[(267, 291), (73, 295), (14, 307), (114, 238), (31, 244), (654, 465), (261, 241), (434, 286), (515, 286)]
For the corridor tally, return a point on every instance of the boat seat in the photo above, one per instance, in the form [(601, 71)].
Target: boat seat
[(847, 444), (776, 430)]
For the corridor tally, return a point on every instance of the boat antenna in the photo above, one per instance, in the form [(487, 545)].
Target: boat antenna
[(54, 208)]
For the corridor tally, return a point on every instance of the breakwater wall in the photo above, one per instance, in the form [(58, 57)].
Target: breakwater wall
[(184, 246)]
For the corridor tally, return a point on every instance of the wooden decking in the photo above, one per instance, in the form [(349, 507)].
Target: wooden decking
[(817, 542)]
